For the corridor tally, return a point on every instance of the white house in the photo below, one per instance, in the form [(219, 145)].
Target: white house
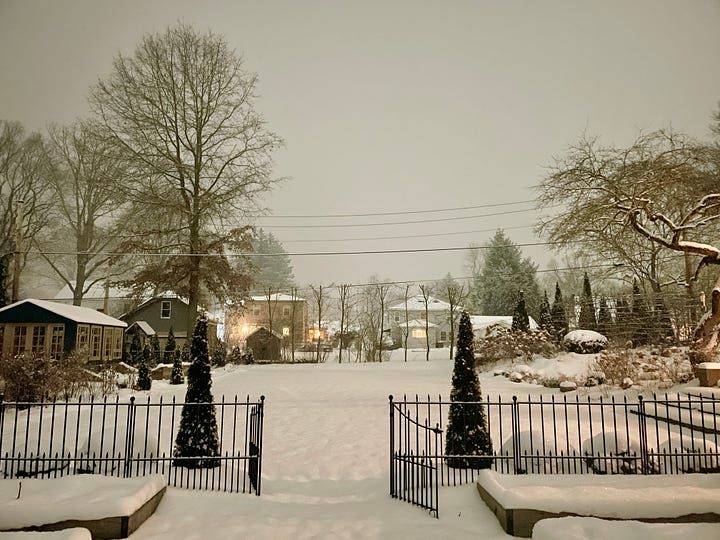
[(483, 325), (437, 314)]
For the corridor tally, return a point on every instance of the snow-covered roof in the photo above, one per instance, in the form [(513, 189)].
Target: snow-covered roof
[(417, 303), (145, 327), (416, 323), (74, 313), (277, 297), (482, 322)]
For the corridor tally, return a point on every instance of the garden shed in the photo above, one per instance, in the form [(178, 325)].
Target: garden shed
[(52, 329), (265, 345)]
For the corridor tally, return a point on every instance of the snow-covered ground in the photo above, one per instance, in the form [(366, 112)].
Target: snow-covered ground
[(326, 461)]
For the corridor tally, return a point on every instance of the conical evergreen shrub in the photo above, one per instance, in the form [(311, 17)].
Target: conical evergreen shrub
[(559, 319), (197, 436), (467, 430), (640, 318), (176, 375), (545, 321), (144, 381), (155, 356), (587, 319), (170, 347), (605, 322), (520, 320)]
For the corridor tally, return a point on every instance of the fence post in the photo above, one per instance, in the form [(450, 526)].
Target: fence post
[(2, 419), (129, 437), (261, 427), (515, 426), (392, 445), (642, 425)]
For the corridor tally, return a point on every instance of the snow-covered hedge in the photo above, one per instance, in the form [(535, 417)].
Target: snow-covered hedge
[(584, 342)]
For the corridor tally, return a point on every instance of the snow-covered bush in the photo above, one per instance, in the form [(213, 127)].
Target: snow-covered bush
[(540, 454), (584, 342), (607, 452), (508, 344), (686, 454), (649, 366)]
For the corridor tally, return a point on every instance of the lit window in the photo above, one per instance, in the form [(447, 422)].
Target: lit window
[(286, 331), (95, 338), (19, 338), (38, 340), (57, 339), (418, 333), (165, 307)]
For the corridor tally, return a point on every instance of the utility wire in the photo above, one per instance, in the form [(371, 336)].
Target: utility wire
[(402, 213)]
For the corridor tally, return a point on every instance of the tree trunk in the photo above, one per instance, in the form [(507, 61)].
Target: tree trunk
[(706, 342)]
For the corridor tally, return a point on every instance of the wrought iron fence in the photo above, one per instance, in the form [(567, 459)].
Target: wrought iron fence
[(660, 435), (132, 438)]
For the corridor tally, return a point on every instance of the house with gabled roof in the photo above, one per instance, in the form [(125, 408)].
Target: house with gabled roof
[(284, 314), (411, 320), (51, 329)]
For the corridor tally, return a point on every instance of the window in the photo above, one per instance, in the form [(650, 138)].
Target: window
[(38, 340), (165, 307), (418, 333), (81, 342), (95, 337), (286, 311), (107, 343), (256, 310), (19, 338), (397, 318), (286, 331), (443, 335), (117, 343), (423, 315), (57, 339)]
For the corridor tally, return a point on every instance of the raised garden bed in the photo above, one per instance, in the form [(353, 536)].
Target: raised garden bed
[(106, 506), (520, 501)]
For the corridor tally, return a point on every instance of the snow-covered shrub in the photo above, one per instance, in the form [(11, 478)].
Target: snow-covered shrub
[(686, 454), (659, 367), (539, 455), (606, 452), (584, 342), (508, 344), (568, 386)]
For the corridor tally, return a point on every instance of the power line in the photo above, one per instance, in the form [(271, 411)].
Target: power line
[(402, 213), (386, 223)]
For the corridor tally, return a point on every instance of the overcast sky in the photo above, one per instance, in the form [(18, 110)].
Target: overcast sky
[(400, 106)]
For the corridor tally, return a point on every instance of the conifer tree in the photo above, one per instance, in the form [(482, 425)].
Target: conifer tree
[(136, 350), (144, 381), (197, 436), (623, 324), (467, 430), (605, 323), (520, 320), (545, 320), (155, 358), (170, 347), (177, 376), (559, 320), (587, 319)]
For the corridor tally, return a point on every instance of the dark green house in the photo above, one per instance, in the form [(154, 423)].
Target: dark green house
[(52, 329)]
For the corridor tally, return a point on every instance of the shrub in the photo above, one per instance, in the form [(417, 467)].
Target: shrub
[(509, 344), (584, 342)]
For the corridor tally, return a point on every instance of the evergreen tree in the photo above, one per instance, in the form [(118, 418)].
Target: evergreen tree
[(587, 319), (623, 323), (136, 350), (605, 323), (198, 434), (520, 320), (4, 275), (663, 322), (170, 347), (155, 358), (271, 272), (640, 320), (559, 320), (502, 273), (177, 376), (219, 355), (144, 381), (467, 430), (545, 320)]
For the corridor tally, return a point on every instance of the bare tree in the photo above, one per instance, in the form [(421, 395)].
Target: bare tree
[(319, 296), (343, 292), (426, 292), (182, 108), (456, 293), (84, 171), (406, 333), (381, 291), (663, 189), (24, 201), (270, 294)]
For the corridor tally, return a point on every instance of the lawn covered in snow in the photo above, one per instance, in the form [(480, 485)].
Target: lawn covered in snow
[(326, 461)]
